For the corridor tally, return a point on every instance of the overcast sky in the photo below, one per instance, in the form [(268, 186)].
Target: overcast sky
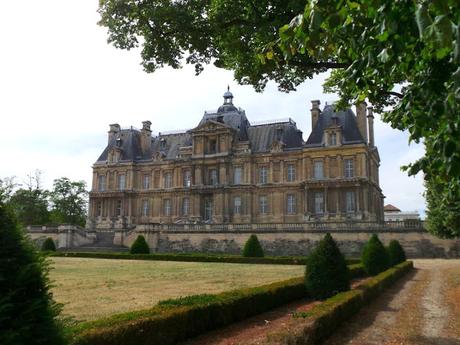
[(61, 85)]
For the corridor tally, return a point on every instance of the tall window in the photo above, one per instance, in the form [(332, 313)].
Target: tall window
[(167, 207), (146, 181), (212, 146), (291, 204), (333, 139), (263, 204), (291, 172), (99, 208), (237, 205), (122, 182), (263, 175), (213, 180), (145, 207), (187, 178), (237, 174), (168, 180), (349, 168), (185, 206), (101, 183), (119, 209), (208, 209), (319, 203), (350, 201), (318, 170)]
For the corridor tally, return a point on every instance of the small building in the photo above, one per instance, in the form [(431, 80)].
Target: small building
[(392, 213)]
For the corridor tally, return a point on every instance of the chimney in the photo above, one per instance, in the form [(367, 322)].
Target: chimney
[(361, 119), (114, 129), (146, 136), (315, 111), (370, 122)]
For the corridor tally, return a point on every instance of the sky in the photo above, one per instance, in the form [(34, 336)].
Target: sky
[(61, 85)]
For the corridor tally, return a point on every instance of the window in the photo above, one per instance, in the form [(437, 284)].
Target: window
[(318, 170), (291, 204), (291, 172), (237, 174), (167, 207), (119, 209), (319, 203), (99, 208), (146, 182), (212, 146), (350, 201), (145, 207), (263, 175), (101, 183), (333, 139), (213, 180), (263, 205), (208, 209), (237, 205), (185, 206), (168, 180), (122, 182), (187, 178), (349, 168)]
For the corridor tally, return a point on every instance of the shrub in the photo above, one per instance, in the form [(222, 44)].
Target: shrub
[(375, 257), (326, 273), (396, 253), (48, 245), (27, 311), (252, 248), (140, 246)]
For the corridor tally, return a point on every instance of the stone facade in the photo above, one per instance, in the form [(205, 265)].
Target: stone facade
[(228, 171)]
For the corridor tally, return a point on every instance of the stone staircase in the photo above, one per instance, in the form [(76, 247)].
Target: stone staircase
[(104, 244)]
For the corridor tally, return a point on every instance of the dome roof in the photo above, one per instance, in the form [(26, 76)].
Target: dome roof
[(224, 108)]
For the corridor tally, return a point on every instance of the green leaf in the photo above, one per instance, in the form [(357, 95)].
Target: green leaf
[(383, 56), (422, 18)]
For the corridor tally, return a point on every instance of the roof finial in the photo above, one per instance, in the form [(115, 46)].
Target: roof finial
[(228, 87)]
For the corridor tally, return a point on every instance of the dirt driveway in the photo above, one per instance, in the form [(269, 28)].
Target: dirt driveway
[(422, 309)]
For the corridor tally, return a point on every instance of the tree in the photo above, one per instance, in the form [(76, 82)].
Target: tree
[(139, 246), (27, 310), (375, 257), (69, 200), (252, 248), (373, 47), (326, 273), (396, 253), (7, 186)]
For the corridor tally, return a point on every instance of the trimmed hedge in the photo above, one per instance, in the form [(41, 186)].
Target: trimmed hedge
[(233, 259), (252, 248), (375, 257), (175, 320), (320, 322), (48, 245), (139, 246), (396, 253)]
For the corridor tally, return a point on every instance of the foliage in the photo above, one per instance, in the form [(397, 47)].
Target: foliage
[(31, 206), (139, 246), (252, 248), (326, 272), (374, 257), (7, 186), (68, 199), (27, 310), (373, 47), (396, 253), (48, 245)]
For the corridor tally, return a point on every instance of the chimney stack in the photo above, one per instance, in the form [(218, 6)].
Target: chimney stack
[(370, 121), (315, 111), (361, 119), (113, 131), (146, 136)]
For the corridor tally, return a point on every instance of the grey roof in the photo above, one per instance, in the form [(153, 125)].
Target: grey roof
[(128, 141), (262, 137), (346, 119), (236, 119)]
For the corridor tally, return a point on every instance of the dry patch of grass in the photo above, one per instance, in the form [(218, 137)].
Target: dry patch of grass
[(94, 288)]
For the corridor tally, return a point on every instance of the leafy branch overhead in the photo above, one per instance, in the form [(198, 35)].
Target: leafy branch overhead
[(398, 55)]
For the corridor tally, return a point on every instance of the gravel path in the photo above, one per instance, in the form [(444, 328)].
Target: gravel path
[(421, 309)]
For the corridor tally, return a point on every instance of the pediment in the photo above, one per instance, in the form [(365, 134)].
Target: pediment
[(277, 146), (211, 125)]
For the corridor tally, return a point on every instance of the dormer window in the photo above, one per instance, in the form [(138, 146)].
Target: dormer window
[(162, 143), (333, 139)]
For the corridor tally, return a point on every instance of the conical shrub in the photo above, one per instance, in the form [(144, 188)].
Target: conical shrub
[(375, 257), (27, 310), (140, 246), (252, 248), (48, 245), (326, 273), (396, 253)]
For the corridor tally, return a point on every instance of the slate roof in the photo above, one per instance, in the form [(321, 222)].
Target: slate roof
[(128, 141), (263, 136), (345, 118), (391, 208)]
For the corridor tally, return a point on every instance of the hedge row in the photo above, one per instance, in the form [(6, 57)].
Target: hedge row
[(321, 321), (273, 260), (175, 320)]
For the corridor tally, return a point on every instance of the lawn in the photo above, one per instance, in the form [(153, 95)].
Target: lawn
[(93, 288)]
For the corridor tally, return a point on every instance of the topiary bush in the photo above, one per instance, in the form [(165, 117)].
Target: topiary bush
[(396, 253), (48, 245), (27, 310), (140, 246), (375, 257), (252, 248), (326, 273)]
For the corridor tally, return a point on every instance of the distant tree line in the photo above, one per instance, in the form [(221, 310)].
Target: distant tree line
[(32, 204)]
